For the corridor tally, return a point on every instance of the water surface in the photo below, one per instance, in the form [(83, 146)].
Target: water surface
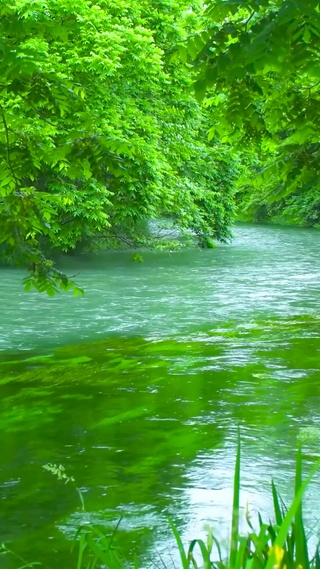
[(138, 389)]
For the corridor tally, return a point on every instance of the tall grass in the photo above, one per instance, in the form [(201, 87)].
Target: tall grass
[(277, 544)]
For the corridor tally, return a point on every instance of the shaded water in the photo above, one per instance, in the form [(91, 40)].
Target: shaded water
[(139, 387)]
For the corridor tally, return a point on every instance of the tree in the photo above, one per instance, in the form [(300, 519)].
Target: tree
[(257, 62), (99, 132)]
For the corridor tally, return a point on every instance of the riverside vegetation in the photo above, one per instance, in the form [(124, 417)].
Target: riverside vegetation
[(281, 543), (117, 114), (100, 132)]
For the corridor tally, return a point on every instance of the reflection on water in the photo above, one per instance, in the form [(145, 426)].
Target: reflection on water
[(161, 363)]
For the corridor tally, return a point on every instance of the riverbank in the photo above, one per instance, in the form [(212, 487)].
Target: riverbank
[(296, 210)]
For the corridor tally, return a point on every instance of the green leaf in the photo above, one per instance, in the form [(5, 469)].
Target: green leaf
[(300, 535), (306, 35), (284, 528), (183, 557), (276, 505), (77, 291), (234, 541)]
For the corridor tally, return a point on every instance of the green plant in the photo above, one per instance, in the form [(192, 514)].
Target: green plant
[(99, 133), (281, 543), (95, 548), (257, 62)]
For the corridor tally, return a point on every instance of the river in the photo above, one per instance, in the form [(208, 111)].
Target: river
[(139, 387)]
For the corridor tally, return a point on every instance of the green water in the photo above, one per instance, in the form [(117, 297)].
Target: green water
[(139, 387)]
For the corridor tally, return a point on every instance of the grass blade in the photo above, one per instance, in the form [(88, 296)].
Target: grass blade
[(82, 547), (302, 557), (190, 554), (247, 515), (204, 552), (98, 545), (284, 528), (240, 553), (217, 544), (276, 505), (102, 552), (183, 556), (317, 558), (260, 520), (235, 509)]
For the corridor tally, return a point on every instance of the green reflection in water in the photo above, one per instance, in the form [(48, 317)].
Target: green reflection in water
[(131, 419)]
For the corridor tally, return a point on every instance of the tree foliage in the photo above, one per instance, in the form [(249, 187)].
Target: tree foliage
[(257, 61), (257, 202), (99, 131)]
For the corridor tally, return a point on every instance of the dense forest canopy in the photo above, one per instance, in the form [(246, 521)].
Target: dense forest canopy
[(257, 65), (100, 132)]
